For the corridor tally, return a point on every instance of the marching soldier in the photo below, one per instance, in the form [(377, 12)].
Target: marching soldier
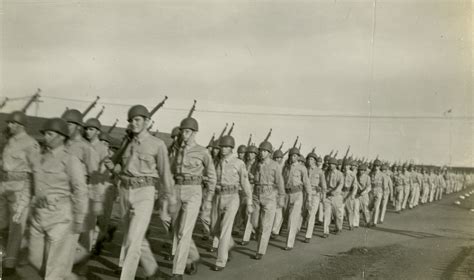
[(231, 176), (145, 165), (407, 185), (425, 192), (387, 192), (104, 192), (362, 200), (240, 217), (241, 152), (433, 184), (267, 178), (19, 157), (278, 221), (333, 200), (252, 219), (296, 180), (191, 164), (61, 204), (398, 188), (379, 183), (318, 185), (349, 191)]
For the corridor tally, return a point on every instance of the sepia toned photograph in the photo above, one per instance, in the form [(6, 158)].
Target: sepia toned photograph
[(236, 139)]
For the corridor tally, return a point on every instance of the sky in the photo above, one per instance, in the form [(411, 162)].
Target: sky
[(313, 69)]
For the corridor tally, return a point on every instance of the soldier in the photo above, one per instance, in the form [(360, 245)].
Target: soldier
[(296, 180), (251, 220), (241, 152), (104, 192), (61, 204), (333, 201), (144, 164), (78, 146), (191, 164), (349, 191), (379, 183), (318, 185), (415, 186), (425, 191), (432, 183), (19, 157), (267, 177), (399, 186), (209, 216), (362, 200), (278, 221), (387, 192), (231, 176), (407, 185)]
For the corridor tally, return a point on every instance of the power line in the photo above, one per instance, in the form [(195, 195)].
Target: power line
[(341, 116)]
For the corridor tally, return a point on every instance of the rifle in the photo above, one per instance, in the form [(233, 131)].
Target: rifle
[(296, 141), (212, 140), (4, 103), (335, 155), (113, 126), (193, 108), (151, 125), (299, 148), (268, 135), (87, 110), (127, 139), (250, 140), (281, 146), (347, 152), (330, 154), (100, 113), (223, 131), (32, 99), (231, 129)]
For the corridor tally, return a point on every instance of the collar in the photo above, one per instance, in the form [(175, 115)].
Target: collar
[(54, 152), (140, 137)]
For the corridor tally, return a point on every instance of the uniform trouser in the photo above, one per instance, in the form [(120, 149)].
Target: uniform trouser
[(385, 199), (107, 202), (315, 202), (136, 208), (265, 207), (252, 220), (377, 195), (439, 193), (208, 216), (417, 195), (279, 217), (227, 205), (295, 204), (425, 194), (52, 240), (241, 216), (332, 207), (12, 195), (348, 207), (399, 194), (432, 192), (189, 199), (361, 204), (406, 194), (413, 195)]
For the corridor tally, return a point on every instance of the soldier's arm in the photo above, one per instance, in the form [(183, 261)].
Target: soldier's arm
[(164, 172), (355, 187), (33, 154), (340, 182), (210, 173), (244, 183), (279, 182), (306, 183), (322, 180), (78, 188)]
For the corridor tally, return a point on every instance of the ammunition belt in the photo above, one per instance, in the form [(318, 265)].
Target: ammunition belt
[(128, 182), (261, 189), (294, 189), (227, 189), (14, 176), (185, 179)]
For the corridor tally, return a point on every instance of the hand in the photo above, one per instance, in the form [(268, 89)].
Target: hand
[(77, 227), (281, 201), (172, 206), (17, 216), (309, 205), (207, 205), (250, 209)]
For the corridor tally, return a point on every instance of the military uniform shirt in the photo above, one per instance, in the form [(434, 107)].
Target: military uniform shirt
[(364, 183), (334, 181), (268, 173), (296, 175), (60, 175), (20, 154), (317, 179), (232, 171)]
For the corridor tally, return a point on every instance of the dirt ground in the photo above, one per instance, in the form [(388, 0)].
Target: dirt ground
[(434, 241)]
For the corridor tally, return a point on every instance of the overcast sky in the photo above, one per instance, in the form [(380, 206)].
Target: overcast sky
[(288, 65)]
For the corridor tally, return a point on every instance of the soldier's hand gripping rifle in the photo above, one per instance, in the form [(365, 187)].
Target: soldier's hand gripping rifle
[(126, 141), (88, 109)]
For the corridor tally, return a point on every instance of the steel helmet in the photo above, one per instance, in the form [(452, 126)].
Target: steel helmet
[(175, 132), (138, 110), (293, 151), (73, 116), (266, 146), (241, 149), (227, 141), (252, 149), (189, 123), (277, 154), (57, 125), (17, 117), (93, 122)]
